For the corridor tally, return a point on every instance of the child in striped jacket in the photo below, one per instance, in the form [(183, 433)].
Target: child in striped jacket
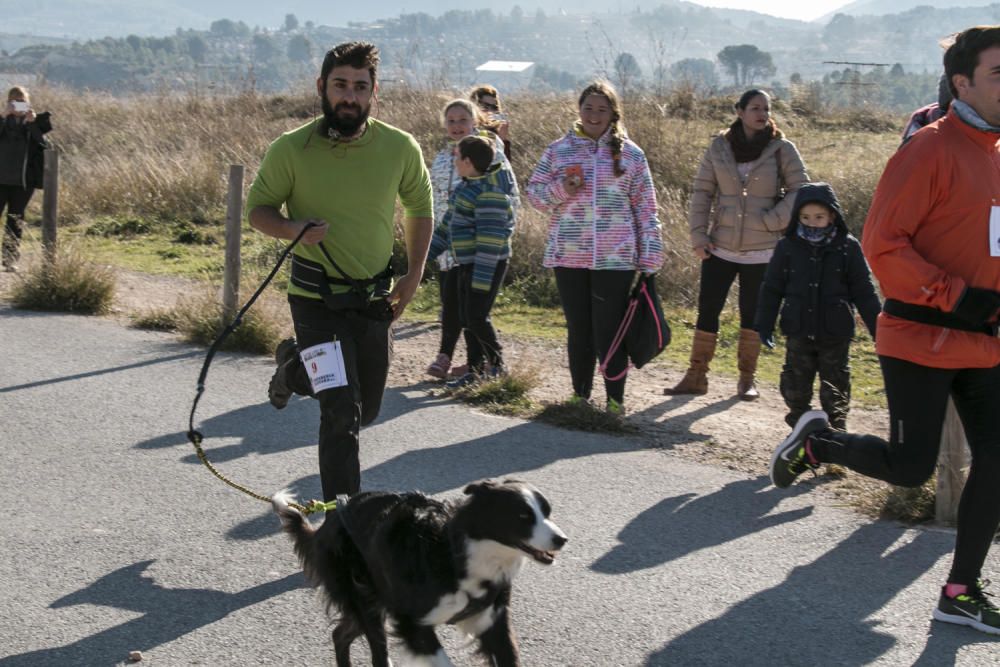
[(477, 230)]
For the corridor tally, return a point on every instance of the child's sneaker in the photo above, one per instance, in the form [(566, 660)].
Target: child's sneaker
[(615, 408), (464, 381), (790, 459), (459, 371), (439, 367), (278, 391), (971, 608), (496, 372)]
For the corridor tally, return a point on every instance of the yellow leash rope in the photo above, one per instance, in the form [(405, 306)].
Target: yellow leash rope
[(313, 506)]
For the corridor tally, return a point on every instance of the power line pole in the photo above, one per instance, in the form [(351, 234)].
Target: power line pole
[(857, 85)]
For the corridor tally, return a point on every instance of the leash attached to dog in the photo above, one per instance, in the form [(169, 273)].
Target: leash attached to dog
[(196, 437)]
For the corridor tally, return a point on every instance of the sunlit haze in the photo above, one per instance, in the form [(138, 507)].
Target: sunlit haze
[(789, 9)]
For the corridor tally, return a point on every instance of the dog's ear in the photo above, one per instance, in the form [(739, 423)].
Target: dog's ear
[(476, 487)]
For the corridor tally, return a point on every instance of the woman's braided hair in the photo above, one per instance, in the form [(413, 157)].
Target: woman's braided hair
[(616, 129)]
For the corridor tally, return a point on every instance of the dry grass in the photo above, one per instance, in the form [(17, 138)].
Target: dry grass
[(70, 284), (161, 160)]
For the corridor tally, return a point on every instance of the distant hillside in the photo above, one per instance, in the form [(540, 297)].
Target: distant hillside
[(92, 19), (882, 7)]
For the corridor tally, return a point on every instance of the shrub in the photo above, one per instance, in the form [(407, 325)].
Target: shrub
[(200, 320), (70, 283)]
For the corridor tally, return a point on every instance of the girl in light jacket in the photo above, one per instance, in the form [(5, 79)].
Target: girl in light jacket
[(742, 199), (596, 186), (460, 119)]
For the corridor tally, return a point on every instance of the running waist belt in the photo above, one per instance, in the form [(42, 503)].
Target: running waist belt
[(934, 317)]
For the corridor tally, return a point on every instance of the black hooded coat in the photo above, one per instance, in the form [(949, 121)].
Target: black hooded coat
[(817, 287)]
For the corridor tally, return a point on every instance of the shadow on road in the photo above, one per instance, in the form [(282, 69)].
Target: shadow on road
[(104, 371), (167, 614), (819, 614), (678, 426), (681, 525)]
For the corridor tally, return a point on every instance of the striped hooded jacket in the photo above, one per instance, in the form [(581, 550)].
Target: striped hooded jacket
[(444, 181), (478, 224), (611, 223)]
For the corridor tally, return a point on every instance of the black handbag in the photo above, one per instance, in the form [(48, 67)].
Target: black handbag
[(649, 332), (644, 331)]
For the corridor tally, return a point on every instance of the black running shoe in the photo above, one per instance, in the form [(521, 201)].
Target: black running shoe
[(973, 609), (789, 458), (278, 391)]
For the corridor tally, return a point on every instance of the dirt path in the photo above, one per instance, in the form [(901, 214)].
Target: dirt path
[(716, 429)]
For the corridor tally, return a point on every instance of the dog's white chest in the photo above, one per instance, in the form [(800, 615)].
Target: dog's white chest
[(487, 563)]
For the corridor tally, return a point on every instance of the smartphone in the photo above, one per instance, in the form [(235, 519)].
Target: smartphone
[(499, 117), (575, 170), (20, 107)]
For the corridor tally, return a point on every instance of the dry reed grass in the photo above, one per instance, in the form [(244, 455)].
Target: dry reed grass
[(165, 158)]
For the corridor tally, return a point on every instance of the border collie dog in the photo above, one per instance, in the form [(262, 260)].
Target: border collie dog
[(422, 563)]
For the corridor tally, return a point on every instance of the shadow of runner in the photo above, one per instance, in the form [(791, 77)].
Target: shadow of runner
[(817, 616), (945, 641), (680, 424), (167, 614), (678, 526)]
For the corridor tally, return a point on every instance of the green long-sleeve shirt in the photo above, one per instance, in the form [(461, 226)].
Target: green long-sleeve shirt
[(352, 186)]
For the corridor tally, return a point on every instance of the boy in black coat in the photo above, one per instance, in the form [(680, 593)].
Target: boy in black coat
[(820, 273)]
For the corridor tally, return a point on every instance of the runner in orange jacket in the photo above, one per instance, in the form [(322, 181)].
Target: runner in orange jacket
[(932, 238)]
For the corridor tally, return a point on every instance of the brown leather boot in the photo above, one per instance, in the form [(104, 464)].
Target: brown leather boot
[(746, 355), (695, 380)]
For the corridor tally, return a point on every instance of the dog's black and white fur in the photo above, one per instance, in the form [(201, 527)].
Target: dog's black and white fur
[(422, 563)]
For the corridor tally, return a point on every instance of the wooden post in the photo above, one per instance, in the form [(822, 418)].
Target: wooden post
[(50, 203), (952, 470), (234, 225)]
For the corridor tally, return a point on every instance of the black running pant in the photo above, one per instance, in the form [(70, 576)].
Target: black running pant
[(367, 349), (717, 277), (594, 303), (918, 398)]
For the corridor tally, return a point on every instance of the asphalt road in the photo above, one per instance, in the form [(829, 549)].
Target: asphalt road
[(116, 539)]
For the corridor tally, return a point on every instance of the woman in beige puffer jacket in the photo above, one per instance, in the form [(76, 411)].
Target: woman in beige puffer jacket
[(743, 194)]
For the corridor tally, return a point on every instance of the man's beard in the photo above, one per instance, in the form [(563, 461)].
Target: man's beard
[(345, 127)]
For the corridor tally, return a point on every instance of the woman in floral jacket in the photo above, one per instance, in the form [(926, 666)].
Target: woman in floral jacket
[(596, 186)]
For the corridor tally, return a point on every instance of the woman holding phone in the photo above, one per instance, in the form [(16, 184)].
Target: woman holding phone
[(494, 118), (596, 186), (22, 146)]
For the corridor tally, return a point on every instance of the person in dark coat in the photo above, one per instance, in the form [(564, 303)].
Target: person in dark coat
[(816, 277), (22, 149)]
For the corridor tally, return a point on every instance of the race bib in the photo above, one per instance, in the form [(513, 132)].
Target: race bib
[(995, 231), (325, 365)]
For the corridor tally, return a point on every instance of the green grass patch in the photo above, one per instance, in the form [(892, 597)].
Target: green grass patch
[(70, 284), (507, 394), (159, 319)]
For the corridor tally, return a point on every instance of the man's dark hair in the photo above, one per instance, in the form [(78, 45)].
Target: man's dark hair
[(962, 56), (477, 149), (359, 55)]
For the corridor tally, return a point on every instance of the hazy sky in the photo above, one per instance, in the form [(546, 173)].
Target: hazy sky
[(803, 10)]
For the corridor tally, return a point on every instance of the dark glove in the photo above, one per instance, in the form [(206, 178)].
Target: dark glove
[(767, 338), (977, 305)]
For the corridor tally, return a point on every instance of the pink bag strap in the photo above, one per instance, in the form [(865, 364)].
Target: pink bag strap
[(633, 305)]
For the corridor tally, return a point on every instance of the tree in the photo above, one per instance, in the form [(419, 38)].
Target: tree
[(227, 28), (697, 72), (745, 62), (627, 72), (516, 15), (897, 71), (198, 48), (263, 48), (291, 22), (795, 79), (300, 49)]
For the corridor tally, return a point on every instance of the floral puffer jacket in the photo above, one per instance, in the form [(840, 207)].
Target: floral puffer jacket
[(611, 223)]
